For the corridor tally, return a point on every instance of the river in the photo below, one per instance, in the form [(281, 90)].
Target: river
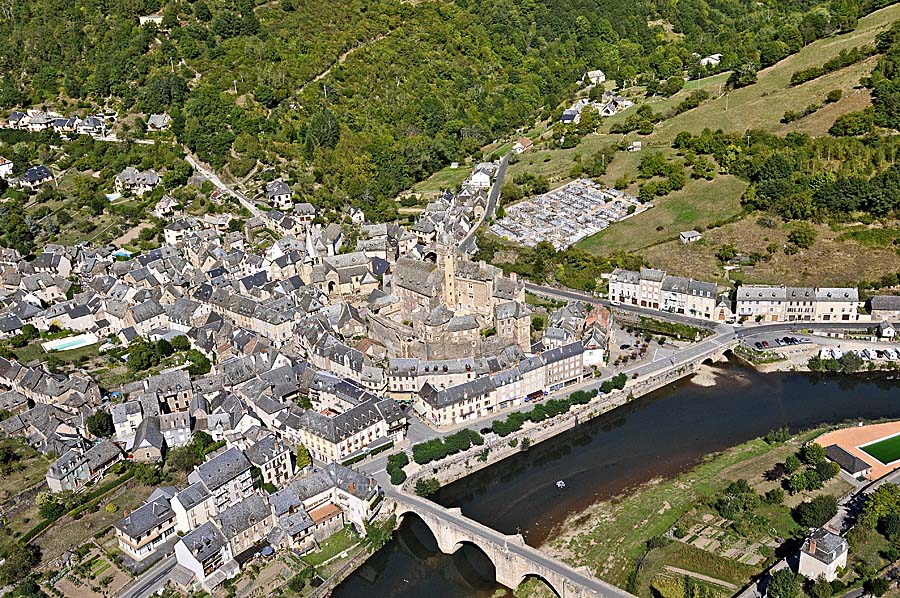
[(659, 435)]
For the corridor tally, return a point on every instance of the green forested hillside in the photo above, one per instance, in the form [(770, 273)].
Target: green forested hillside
[(356, 100)]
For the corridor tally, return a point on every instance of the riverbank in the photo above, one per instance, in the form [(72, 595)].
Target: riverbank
[(612, 537), (659, 437)]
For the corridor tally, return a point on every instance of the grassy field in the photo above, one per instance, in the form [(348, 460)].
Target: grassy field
[(611, 536), (29, 470), (762, 105), (699, 204), (886, 451), (447, 178), (837, 256)]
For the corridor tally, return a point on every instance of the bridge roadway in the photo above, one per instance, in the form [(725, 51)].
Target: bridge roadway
[(513, 560)]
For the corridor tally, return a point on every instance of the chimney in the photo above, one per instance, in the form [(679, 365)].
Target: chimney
[(812, 545)]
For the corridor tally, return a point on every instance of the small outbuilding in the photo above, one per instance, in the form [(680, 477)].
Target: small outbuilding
[(689, 236)]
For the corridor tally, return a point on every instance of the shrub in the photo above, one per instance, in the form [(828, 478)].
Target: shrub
[(816, 512)]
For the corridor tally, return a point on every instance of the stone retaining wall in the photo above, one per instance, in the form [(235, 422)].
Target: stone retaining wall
[(462, 464)]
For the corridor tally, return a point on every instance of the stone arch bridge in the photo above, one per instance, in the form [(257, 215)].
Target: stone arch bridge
[(513, 560)]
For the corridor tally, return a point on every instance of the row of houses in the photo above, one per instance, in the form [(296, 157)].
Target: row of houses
[(484, 395), (655, 289)]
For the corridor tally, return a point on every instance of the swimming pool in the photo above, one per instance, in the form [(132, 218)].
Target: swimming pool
[(71, 342)]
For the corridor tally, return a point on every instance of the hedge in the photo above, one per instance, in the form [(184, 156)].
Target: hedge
[(541, 411), (433, 450)]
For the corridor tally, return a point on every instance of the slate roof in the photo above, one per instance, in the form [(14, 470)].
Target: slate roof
[(146, 517), (243, 515), (848, 461), (223, 468), (192, 496), (204, 542)]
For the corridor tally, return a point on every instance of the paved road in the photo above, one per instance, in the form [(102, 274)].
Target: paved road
[(468, 244), (513, 546), (151, 581), (215, 180)]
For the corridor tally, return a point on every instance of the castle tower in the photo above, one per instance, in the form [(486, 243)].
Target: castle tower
[(446, 258)]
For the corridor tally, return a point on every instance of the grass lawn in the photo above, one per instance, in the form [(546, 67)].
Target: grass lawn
[(333, 545), (35, 351), (699, 204), (886, 451), (447, 178)]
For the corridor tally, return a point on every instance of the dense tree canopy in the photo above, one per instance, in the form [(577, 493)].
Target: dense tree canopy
[(417, 85)]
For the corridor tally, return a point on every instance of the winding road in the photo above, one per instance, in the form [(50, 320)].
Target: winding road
[(217, 182)]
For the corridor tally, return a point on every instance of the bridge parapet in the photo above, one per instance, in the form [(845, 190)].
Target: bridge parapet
[(514, 561)]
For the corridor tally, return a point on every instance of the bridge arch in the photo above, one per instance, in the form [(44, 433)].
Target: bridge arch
[(540, 578)]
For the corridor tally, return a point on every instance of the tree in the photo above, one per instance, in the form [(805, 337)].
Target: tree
[(784, 584), (798, 483), (890, 526), (820, 588), (850, 362), (146, 474), (164, 348), (816, 512), (181, 343), (877, 586), (884, 501), (200, 364), (803, 235), (303, 458), (812, 453), (427, 486), (49, 506), (183, 458), (201, 442), (775, 496), (791, 463), (20, 560), (854, 123), (100, 424)]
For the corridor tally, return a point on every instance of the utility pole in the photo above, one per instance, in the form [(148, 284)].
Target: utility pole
[(235, 86)]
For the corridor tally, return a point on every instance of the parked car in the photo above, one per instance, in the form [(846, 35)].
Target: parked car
[(758, 345), (766, 344)]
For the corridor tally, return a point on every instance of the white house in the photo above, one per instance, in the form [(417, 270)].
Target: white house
[(823, 553), (711, 60), (6, 168), (479, 180), (522, 145), (279, 194), (594, 77), (158, 122)]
